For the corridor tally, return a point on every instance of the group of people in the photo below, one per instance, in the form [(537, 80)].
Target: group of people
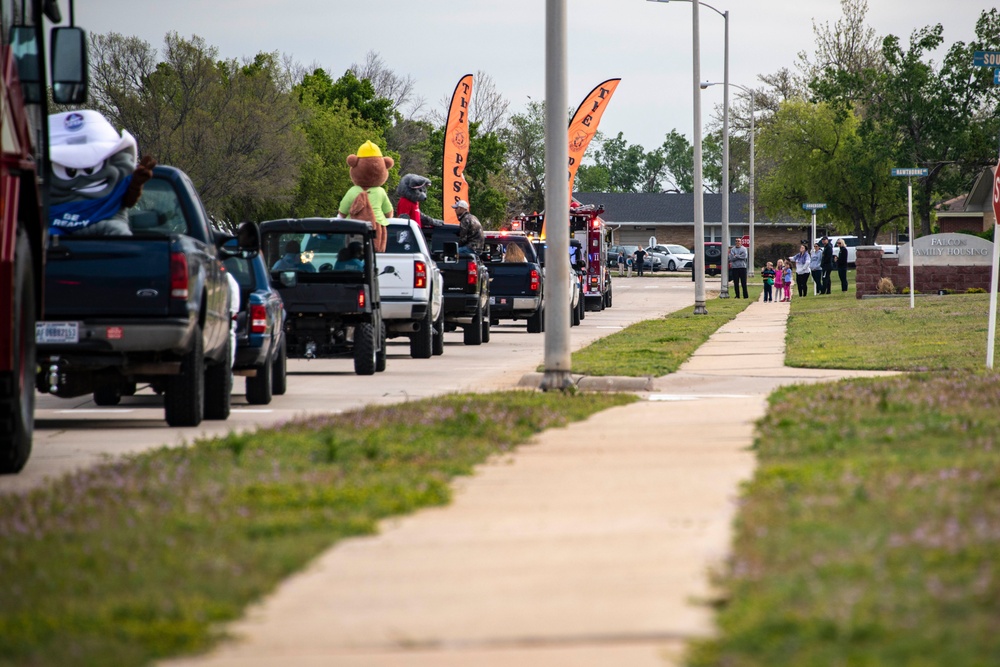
[(818, 264), (636, 259)]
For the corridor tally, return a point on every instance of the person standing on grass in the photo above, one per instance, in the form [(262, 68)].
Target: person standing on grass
[(814, 267), (826, 264), (842, 264), (738, 268), (767, 273), (779, 280), (802, 263), (640, 260)]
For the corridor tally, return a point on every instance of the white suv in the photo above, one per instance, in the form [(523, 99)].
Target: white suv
[(410, 286)]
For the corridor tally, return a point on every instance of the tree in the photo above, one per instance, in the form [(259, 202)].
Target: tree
[(386, 84), (525, 140), (489, 193)]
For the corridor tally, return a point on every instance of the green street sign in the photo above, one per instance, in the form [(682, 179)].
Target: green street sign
[(986, 58)]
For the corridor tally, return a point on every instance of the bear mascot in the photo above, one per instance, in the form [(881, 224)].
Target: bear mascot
[(95, 178), (367, 199), (412, 190)]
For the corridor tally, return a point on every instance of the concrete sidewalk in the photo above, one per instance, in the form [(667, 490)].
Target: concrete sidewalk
[(591, 546)]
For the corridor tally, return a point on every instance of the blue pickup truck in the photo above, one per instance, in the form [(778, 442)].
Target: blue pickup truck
[(151, 308)]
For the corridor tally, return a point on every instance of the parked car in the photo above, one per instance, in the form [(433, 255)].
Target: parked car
[(260, 340), (672, 257), (649, 263)]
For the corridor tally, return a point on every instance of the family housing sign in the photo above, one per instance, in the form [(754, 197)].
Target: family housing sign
[(948, 250)]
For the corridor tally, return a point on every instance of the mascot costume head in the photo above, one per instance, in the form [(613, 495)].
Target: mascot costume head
[(367, 199), (412, 190), (94, 175)]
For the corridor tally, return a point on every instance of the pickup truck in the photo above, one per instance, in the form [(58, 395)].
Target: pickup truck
[(576, 277), (148, 308), (516, 288), (466, 286), (411, 287)]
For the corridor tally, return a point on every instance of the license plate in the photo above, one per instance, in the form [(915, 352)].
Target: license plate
[(493, 301), (57, 332)]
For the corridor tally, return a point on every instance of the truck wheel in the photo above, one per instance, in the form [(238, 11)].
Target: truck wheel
[(486, 325), (107, 396), (383, 351), (582, 307), (608, 299), (279, 373), (535, 321), (422, 341), (364, 349), (260, 387), (438, 347), (184, 394), (17, 389), (474, 331), (219, 386), (574, 316)]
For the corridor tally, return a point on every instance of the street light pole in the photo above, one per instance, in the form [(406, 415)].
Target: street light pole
[(724, 289)]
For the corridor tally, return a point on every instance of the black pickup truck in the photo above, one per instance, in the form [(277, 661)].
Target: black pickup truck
[(516, 285), (466, 286), (148, 308)]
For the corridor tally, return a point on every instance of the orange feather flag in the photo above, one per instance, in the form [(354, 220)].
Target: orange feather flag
[(583, 127), (456, 149)]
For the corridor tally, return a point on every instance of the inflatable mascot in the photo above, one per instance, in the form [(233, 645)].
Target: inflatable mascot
[(367, 199), (95, 178), (412, 190)]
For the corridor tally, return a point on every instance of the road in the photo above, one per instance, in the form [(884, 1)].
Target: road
[(74, 433)]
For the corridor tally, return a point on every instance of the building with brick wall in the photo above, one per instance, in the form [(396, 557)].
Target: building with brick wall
[(972, 212)]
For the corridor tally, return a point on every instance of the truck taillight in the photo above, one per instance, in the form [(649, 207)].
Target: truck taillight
[(258, 319), (473, 273), (419, 275), (361, 299), (178, 275), (535, 280)]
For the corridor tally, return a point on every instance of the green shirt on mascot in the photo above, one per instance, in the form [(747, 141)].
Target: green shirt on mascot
[(369, 172)]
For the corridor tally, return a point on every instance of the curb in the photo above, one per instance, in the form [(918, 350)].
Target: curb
[(613, 383)]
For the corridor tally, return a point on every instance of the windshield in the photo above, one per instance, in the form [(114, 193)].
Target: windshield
[(158, 210), (678, 250), (314, 252)]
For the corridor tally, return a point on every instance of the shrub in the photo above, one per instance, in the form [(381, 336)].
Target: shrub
[(975, 290), (885, 286), (774, 252)]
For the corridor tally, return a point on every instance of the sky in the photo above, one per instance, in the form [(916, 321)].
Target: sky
[(647, 44)]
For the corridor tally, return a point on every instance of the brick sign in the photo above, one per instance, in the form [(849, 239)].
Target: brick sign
[(947, 250)]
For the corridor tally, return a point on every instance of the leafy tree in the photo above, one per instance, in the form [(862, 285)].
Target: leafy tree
[(592, 178), (525, 140), (489, 194)]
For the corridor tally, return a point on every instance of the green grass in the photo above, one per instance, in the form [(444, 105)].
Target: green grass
[(840, 331), (143, 558), (658, 346), (870, 533)]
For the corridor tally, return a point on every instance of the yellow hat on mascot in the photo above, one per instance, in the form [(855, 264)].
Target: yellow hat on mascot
[(368, 149)]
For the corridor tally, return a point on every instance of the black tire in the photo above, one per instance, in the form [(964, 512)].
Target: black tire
[(671, 266), (364, 349), (279, 373), (583, 307), (17, 389), (536, 321), (260, 387), (422, 341), (438, 348), (574, 316), (486, 325), (473, 333), (607, 299), (184, 394), (219, 386), (106, 396), (383, 351)]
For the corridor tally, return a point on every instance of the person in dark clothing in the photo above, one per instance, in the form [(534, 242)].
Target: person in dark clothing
[(640, 259), (826, 264), (470, 231), (841, 264), (738, 268)]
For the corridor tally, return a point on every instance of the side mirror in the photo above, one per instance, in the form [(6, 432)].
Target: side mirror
[(450, 252), (248, 237), (69, 66), (24, 47)]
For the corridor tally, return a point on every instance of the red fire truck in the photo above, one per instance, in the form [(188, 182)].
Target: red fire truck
[(586, 225), (24, 174)]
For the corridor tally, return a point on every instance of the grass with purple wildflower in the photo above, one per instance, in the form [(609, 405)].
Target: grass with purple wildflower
[(145, 557), (870, 532)]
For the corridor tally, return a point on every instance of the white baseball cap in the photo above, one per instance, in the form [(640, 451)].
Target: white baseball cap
[(81, 139), (461, 203)]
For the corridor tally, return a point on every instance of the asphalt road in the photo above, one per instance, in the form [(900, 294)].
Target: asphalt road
[(74, 433)]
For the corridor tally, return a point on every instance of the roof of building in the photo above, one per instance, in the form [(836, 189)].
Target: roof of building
[(669, 207)]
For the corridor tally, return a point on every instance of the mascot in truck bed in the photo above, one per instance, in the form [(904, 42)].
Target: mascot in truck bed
[(95, 178)]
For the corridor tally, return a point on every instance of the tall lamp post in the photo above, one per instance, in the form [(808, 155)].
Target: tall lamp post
[(725, 143), (699, 199)]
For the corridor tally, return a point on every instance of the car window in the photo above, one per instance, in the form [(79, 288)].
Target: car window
[(678, 250), (242, 270), (851, 243), (401, 240), (312, 252), (158, 211)]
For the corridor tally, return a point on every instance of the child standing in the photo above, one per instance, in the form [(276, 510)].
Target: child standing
[(767, 273), (788, 281), (779, 280)]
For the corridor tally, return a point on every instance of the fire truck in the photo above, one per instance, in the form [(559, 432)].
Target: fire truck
[(587, 227), (24, 178)]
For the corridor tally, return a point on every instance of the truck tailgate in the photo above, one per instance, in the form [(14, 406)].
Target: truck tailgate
[(395, 276), (107, 277), (507, 279)]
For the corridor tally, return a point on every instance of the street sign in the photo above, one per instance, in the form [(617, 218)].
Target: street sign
[(996, 77), (813, 207), (909, 172), (746, 240), (652, 241), (986, 58), (996, 196)]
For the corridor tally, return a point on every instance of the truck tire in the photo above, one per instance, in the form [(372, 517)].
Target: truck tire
[(364, 349), (17, 389), (279, 373), (260, 387), (422, 341), (383, 351), (582, 307), (473, 333), (535, 321), (486, 325), (219, 386), (607, 299), (106, 396), (184, 394), (438, 348)]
